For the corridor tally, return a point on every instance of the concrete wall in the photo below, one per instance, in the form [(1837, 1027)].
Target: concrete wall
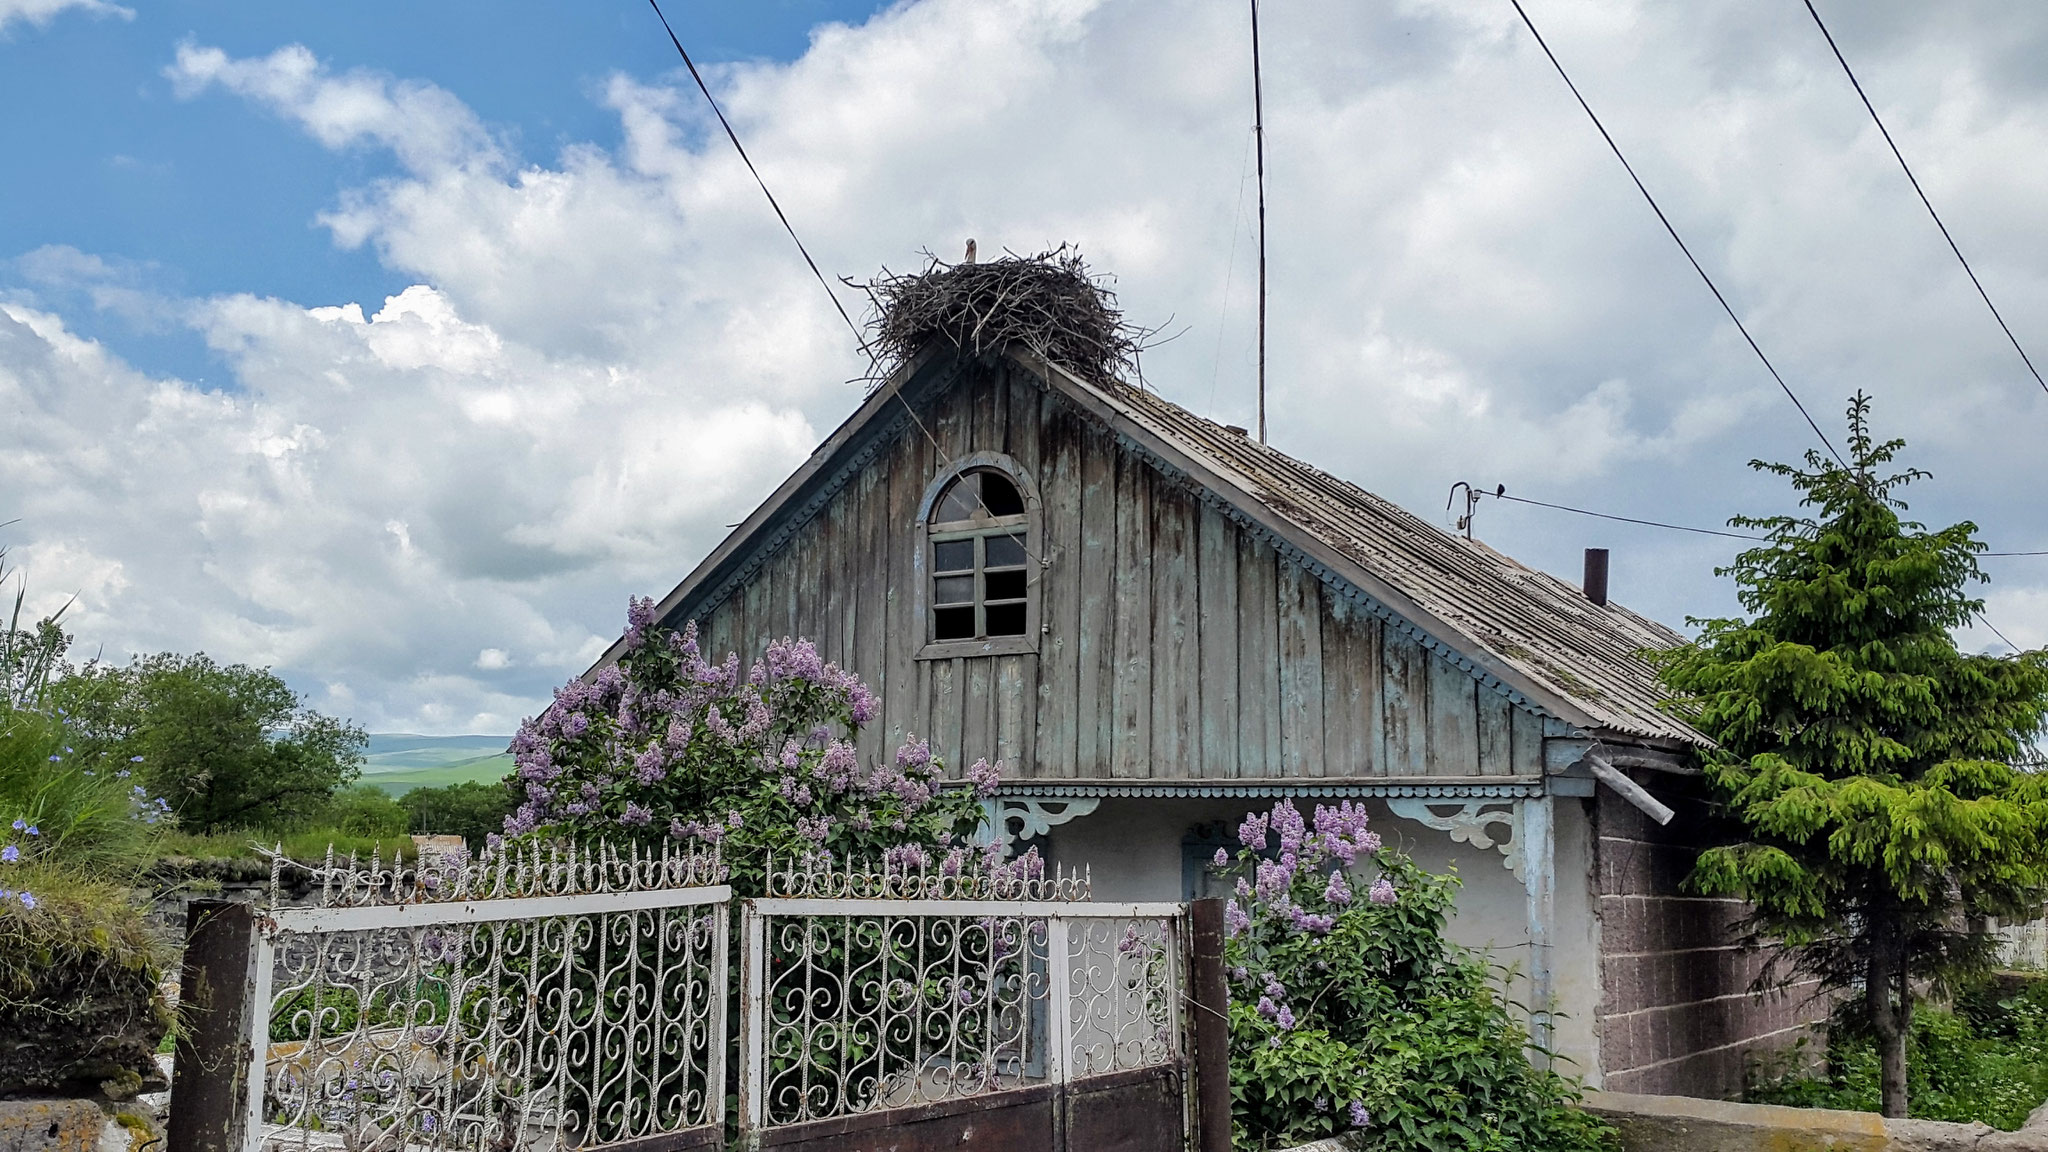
[(1133, 848), (1676, 1012)]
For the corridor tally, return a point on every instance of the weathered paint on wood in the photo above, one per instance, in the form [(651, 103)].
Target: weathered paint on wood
[(1174, 643)]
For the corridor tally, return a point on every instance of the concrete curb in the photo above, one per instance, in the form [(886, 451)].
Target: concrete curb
[(1685, 1124)]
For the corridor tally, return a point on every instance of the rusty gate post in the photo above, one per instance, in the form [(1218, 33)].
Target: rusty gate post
[(211, 1080), (1211, 1014)]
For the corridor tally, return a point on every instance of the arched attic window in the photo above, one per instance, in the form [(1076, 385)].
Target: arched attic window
[(980, 527)]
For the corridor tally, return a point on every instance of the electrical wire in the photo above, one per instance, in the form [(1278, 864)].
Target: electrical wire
[(1995, 632), (1675, 238), (1922, 193), (1623, 519), (1985, 620), (1673, 527), (805, 252), (748, 161)]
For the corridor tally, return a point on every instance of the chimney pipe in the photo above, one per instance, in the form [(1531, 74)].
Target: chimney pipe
[(1595, 583)]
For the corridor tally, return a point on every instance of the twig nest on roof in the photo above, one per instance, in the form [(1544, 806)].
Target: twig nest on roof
[(1048, 303)]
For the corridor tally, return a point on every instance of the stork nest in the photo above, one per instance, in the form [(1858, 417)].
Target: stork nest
[(1049, 303)]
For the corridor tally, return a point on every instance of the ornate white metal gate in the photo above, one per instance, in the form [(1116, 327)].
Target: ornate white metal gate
[(960, 1010), (547, 999), (567, 1001)]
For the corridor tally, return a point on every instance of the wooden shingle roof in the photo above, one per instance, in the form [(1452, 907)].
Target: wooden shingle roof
[(1532, 621)]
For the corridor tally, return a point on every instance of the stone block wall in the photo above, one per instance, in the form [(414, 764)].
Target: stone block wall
[(1676, 1012)]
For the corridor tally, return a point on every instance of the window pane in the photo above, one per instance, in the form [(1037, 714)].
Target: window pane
[(1005, 585), (958, 502), (1003, 551), (953, 624), (953, 590), (1000, 495), (953, 556), (1006, 620)]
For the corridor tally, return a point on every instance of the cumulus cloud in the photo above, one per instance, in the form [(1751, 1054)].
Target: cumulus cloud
[(40, 12), (432, 504)]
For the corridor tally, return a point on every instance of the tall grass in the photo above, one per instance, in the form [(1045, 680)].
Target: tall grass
[(89, 815)]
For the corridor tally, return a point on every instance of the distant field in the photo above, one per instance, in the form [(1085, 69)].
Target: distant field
[(398, 762)]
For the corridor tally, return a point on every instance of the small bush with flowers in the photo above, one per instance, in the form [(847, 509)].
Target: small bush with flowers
[(666, 744), (1352, 1015)]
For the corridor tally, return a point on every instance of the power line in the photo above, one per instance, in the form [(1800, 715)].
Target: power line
[(1675, 238), (1673, 527), (1922, 193), (786, 227), (1995, 632), (1259, 131), (748, 161), (1623, 519)]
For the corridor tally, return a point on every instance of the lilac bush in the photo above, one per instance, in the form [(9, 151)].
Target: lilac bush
[(668, 744), (1351, 1014)]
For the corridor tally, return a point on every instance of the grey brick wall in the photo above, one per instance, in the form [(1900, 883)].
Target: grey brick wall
[(1677, 1016)]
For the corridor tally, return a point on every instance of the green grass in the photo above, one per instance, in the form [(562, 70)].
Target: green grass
[(308, 844), (482, 769), (1987, 1060), (398, 762)]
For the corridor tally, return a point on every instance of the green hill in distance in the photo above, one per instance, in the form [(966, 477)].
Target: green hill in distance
[(398, 762)]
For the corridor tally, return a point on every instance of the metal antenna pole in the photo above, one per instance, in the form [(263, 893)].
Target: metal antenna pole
[(1259, 136)]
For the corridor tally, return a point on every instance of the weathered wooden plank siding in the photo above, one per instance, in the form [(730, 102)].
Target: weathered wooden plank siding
[(1173, 644)]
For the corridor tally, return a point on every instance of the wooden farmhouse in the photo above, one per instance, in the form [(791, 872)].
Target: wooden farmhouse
[(1157, 624)]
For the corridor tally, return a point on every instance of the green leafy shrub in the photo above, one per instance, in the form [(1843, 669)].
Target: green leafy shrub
[(1985, 1060), (366, 810), (667, 746), (473, 810), (231, 746), (1350, 1012)]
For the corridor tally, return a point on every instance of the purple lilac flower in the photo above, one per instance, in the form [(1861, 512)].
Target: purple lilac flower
[(636, 816), (985, 777), (905, 858), (574, 725), (1267, 1008), (1271, 879), (1359, 1116), (1382, 892), (1252, 833), (1234, 918), (1222, 858), (1288, 825), (1337, 891)]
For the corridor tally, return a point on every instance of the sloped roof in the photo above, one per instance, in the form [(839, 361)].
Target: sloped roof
[(1532, 632), (1532, 621)]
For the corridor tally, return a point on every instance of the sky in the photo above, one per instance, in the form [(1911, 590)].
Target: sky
[(394, 345)]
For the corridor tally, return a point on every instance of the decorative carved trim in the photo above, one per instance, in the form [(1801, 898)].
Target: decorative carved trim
[(1471, 822), (1447, 792), (1034, 818)]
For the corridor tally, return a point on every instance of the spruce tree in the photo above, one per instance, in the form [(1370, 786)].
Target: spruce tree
[(1874, 770)]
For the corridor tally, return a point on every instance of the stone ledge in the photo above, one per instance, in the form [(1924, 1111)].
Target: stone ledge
[(51, 1125), (1686, 1124)]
